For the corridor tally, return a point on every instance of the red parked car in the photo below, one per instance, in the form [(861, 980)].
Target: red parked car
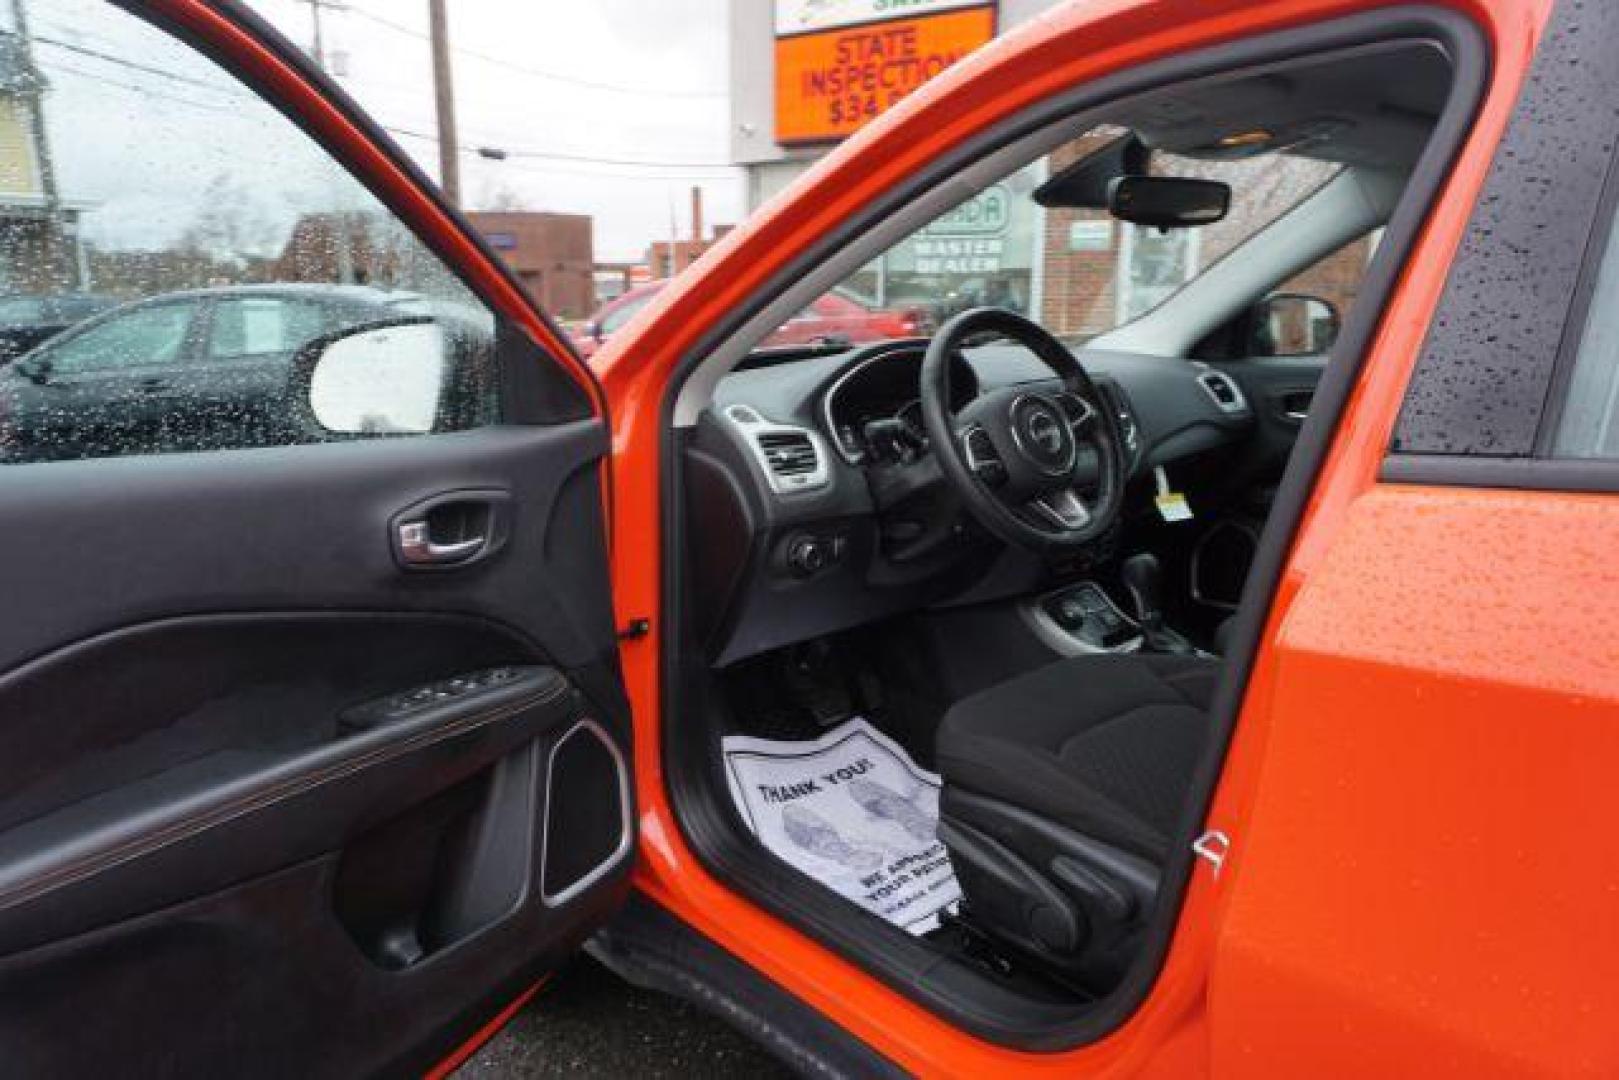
[(838, 317)]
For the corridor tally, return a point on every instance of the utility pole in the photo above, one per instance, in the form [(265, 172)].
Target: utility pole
[(449, 165), (315, 8)]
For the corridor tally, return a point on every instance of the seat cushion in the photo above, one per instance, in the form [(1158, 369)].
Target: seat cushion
[(1105, 745)]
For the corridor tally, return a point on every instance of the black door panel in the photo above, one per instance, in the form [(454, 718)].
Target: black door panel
[(90, 546), (244, 691), (263, 980), (322, 798), (314, 750), (162, 840)]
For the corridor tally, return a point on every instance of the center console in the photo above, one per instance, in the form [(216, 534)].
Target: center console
[(1082, 618)]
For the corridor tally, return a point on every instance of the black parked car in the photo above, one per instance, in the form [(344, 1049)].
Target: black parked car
[(181, 371), (25, 320)]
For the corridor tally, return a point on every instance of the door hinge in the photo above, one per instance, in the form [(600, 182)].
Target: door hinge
[(1213, 846), (635, 628)]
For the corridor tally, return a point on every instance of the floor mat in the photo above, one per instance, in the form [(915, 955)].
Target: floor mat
[(854, 812)]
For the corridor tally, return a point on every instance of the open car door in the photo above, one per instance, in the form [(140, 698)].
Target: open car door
[(313, 750)]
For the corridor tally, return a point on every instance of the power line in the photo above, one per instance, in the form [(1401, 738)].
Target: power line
[(217, 107), (558, 170), (239, 93), (538, 73), (545, 155), (97, 54), (145, 91)]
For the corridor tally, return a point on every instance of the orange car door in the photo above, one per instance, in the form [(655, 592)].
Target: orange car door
[(1424, 874)]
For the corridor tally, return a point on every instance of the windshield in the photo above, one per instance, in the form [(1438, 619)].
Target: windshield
[(1078, 272)]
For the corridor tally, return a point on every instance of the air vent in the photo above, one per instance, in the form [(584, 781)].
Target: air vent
[(1224, 390), (788, 453), (793, 458)]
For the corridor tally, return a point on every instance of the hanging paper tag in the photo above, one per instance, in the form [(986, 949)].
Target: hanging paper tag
[(1172, 505)]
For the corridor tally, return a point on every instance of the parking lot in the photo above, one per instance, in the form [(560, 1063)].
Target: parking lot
[(588, 1022)]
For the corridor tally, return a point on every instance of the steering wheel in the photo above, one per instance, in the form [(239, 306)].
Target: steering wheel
[(1042, 469)]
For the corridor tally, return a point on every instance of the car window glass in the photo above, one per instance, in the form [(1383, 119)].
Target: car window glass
[(22, 309), (152, 173), (1589, 425), (262, 326), (1079, 272), (143, 337)]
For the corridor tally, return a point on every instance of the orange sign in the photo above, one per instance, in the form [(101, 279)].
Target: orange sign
[(830, 83)]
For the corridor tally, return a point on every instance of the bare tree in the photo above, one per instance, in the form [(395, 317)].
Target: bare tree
[(230, 226)]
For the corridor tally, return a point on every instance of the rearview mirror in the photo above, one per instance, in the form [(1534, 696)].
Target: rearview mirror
[(1168, 202), (386, 378)]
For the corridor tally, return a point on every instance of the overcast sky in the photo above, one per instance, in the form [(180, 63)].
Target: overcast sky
[(612, 108), (634, 80)]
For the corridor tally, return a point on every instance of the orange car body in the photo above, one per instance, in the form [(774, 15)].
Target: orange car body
[(1386, 895), (1422, 865)]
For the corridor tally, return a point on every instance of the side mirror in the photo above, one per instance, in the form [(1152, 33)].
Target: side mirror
[(1168, 202), (594, 329), (1293, 324), (37, 372), (379, 378)]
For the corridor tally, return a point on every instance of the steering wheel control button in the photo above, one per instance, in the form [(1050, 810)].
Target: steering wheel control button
[(982, 459), (1041, 432)]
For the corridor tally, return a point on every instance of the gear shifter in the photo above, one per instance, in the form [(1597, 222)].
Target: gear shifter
[(1143, 576)]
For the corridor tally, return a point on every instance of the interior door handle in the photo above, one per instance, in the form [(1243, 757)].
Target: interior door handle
[(416, 546), (451, 530)]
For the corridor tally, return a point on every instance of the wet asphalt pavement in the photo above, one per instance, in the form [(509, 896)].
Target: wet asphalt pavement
[(588, 1022)]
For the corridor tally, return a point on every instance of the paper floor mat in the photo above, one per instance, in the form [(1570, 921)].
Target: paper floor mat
[(853, 811)]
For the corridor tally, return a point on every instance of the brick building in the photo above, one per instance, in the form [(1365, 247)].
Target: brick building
[(553, 255), (666, 258)]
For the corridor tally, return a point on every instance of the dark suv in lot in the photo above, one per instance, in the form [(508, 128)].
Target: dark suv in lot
[(188, 370)]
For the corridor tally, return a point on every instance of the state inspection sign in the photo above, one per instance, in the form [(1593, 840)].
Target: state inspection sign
[(831, 82)]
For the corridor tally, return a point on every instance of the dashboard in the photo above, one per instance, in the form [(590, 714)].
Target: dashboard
[(809, 484), (872, 412)]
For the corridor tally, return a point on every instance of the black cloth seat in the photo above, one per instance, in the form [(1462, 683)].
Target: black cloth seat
[(1104, 745)]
